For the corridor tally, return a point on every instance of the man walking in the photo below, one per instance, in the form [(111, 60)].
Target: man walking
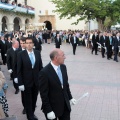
[(28, 67), (54, 88)]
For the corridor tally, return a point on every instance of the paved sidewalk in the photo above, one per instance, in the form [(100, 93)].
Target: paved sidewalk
[(87, 73)]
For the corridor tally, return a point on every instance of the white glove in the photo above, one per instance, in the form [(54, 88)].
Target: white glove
[(34, 47), (5, 54), (73, 101), (51, 115), (112, 47), (16, 80), (10, 71), (22, 87)]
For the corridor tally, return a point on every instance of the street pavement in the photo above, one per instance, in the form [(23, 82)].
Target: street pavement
[(87, 73)]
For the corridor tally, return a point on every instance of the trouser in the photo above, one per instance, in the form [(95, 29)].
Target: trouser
[(74, 48), (103, 52), (95, 47), (116, 53), (31, 94), (23, 98)]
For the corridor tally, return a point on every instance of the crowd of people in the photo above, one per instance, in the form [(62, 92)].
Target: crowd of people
[(22, 54), (14, 3)]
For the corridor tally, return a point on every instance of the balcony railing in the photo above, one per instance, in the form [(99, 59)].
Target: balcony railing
[(13, 8)]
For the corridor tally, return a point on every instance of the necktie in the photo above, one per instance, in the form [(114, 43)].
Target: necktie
[(60, 75), (31, 59)]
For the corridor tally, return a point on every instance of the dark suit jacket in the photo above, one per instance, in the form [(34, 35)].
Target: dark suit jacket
[(102, 40), (15, 62), (116, 43), (10, 58), (57, 43), (107, 42), (95, 39), (9, 44), (72, 40), (38, 44), (27, 75), (3, 47), (52, 95)]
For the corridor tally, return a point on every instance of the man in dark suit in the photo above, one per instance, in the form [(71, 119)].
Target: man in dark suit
[(108, 44), (54, 88), (3, 47), (103, 39), (22, 48), (95, 40), (11, 56), (116, 43), (9, 43), (37, 43), (57, 41), (28, 67), (74, 41)]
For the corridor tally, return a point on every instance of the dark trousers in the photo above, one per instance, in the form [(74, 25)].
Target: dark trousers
[(95, 47), (3, 58), (65, 115), (74, 48), (31, 94), (103, 52), (23, 98), (116, 53), (109, 51)]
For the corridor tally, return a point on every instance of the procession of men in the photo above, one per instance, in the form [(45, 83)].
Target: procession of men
[(22, 56)]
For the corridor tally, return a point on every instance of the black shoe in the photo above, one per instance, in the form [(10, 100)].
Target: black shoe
[(108, 59), (24, 111), (116, 60), (91, 52), (35, 117), (17, 91), (96, 54)]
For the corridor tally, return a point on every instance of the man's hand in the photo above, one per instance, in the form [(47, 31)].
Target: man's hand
[(73, 101), (22, 87), (16, 80), (10, 71), (51, 115)]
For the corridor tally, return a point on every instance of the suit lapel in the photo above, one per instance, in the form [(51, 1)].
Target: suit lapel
[(54, 74), (27, 57)]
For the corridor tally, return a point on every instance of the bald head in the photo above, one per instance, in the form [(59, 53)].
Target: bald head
[(15, 44), (57, 56)]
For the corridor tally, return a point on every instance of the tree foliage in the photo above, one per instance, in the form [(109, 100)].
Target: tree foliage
[(101, 10)]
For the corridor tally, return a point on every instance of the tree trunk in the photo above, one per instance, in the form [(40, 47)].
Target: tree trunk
[(100, 25)]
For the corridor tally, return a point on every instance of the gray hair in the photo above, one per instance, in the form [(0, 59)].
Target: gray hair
[(53, 54)]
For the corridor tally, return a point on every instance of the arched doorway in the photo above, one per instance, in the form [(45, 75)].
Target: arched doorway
[(17, 22), (26, 23), (4, 23), (48, 25)]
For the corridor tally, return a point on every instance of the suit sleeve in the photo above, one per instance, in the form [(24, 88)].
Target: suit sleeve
[(67, 86), (19, 69), (8, 60), (44, 91)]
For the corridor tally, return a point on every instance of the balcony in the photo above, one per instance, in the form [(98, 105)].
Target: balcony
[(26, 10)]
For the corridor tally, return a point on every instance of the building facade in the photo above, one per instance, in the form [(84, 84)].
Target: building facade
[(36, 14)]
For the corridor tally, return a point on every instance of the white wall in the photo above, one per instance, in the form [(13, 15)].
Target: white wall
[(64, 24)]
